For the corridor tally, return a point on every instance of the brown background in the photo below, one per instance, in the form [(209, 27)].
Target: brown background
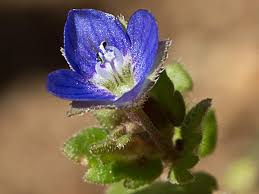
[(217, 40)]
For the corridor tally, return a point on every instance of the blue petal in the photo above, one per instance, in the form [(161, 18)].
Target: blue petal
[(132, 97), (85, 29), (143, 32), (70, 85), (138, 94)]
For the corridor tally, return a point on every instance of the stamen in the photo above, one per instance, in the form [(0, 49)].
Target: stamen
[(113, 70), (98, 58), (104, 71), (104, 44)]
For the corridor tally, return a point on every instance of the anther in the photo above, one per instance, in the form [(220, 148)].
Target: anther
[(104, 44), (98, 58)]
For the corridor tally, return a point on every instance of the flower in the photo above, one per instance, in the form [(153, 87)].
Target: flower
[(111, 65)]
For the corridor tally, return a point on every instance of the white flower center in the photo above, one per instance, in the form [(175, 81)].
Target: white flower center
[(113, 70)]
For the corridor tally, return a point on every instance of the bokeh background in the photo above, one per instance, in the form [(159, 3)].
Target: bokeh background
[(217, 40)]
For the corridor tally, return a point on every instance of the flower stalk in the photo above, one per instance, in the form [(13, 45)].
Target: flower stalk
[(139, 117)]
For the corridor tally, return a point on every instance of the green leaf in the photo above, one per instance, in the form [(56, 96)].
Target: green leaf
[(191, 142), (158, 117), (111, 145), (118, 188), (163, 188), (103, 147), (127, 147), (178, 108), (109, 118), (105, 167), (101, 173), (191, 127), (170, 101), (163, 86), (209, 134), (187, 162), (180, 176), (190, 135), (194, 117), (133, 184), (203, 184), (179, 173), (180, 77), (134, 173), (122, 141), (140, 172), (77, 147)]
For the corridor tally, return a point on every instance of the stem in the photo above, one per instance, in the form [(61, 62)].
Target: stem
[(139, 117)]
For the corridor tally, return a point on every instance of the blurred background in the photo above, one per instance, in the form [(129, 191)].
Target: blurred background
[(218, 41)]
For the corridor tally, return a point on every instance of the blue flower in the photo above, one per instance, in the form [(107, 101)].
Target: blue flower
[(111, 65)]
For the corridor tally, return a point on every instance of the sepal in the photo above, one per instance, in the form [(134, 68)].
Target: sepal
[(77, 147), (209, 134), (203, 184), (169, 99), (180, 77), (109, 118), (191, 127)]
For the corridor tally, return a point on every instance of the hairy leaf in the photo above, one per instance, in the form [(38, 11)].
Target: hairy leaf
[(77, 147), (190, 133), (109, 118), (191, 127), (101, 173), (134, 173), (140, 172), (111, 145), (179, 172), (180, 176), (209, 134), (203, 184), (180, 77), (171, 101)]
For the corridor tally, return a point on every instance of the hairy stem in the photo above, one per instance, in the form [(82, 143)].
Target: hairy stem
[(139, 117)]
